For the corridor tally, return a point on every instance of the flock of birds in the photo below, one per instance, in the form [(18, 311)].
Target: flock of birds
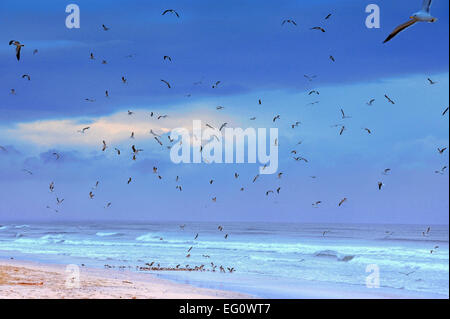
[(421, 16)]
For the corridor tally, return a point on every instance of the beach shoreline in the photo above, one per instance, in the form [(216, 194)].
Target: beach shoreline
[(33, 280)]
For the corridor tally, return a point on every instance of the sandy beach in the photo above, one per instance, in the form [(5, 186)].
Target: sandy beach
[(30, 280)]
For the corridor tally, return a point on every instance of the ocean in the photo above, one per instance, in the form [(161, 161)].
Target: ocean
[(270, 260)]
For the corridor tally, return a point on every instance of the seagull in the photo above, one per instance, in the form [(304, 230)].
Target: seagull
[(171, 11), (135, 150), (289, 21), (167, 83), (318, 28), (344, 116), (342, 201), (310, 78), (332, 58), (83, 130), (124, 80), (370, 102), (431, 81), (314, 91), (420, 16), (368, 130), (441, 150), (222, 126), (342, 130), (386, 171), (104, 146), (18, 47), (117, 150), (380, 184), (328, 16), (105, 27), (56, 155), (26, 76), (27, 171), (129, 180), (276, 118), (166, 57), (389, 99), (445, 111), (216, 84)]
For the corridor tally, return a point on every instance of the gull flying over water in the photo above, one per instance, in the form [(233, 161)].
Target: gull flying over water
[(289, 21), (171, 11), (18, 47), (167, 83), (420, 16)]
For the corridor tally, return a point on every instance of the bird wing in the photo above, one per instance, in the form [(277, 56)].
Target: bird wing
[(426, 5), (400, 28), (18, 52)]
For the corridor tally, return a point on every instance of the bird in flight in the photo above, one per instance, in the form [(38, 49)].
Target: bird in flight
[(332, 58), (344, 116), (328, 16), (389, 99), (420, 16), (216, 84), (310, 78), (318, 28), (386, 171), (368, 130), (171, 11), (445, 111), (105, 27), (289, 21), (276, 118), (441, 150), (380, 184), (104, 146), (431, 81), (370, 102), (167, 83), (222, 126), (342, 201), (18, 48), (342, 130), (83, 130), (26, 76), (166, 57)]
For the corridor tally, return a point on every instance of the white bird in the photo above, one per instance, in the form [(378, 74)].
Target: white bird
[(420, 16)]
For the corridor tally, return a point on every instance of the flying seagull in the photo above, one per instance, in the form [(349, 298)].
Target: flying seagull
[(18, 47), (167, 83), (420, 16), (431, 81), (318, 28), (389, 99), (105, 27), (171, 11), (289, 21)]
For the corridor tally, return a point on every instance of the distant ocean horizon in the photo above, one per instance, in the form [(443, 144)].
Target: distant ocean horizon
[(270, 260)]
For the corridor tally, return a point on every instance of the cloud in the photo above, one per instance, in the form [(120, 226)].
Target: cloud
[(115, 128)]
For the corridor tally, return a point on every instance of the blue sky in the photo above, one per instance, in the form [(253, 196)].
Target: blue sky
[(244, 45)]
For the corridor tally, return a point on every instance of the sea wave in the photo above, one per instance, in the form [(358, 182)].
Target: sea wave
[(106, 234), (334, 255)]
